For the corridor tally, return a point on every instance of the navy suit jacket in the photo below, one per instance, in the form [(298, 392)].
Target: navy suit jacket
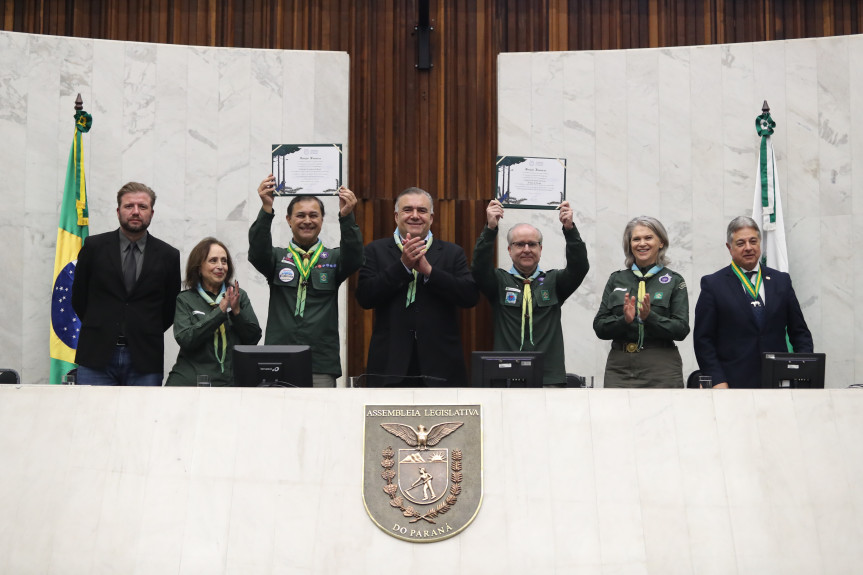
[(432, 318), (99, 298), (727, 338)]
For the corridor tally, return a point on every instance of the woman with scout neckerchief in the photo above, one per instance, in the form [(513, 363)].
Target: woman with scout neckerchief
[(644, 310), (212, 316)]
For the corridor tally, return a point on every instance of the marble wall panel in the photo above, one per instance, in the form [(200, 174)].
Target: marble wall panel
[(855, 92), (579, 130), (194, 123), (139, 111), (675, 165), (12, 334), (641, 87), (16, 62), (172, 95), (701, 102), (104, 142), (42, 113), (515, 89), (547, 105), (834, 116), (739, 146), (708, 219), (837, 297)]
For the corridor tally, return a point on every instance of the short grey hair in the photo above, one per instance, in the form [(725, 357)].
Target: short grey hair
[(657, 228), (739, 223), (413, 190), (512, 229)]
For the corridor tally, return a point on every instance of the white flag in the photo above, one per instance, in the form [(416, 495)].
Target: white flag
[(773, 250)]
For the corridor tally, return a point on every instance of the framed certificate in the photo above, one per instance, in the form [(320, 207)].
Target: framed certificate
[(534, 183), (313, 169)]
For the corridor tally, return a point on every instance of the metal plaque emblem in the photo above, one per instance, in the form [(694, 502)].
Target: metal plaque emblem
[(422, 469)]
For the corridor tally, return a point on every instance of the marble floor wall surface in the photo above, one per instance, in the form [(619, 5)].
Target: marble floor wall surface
[(249, 480)]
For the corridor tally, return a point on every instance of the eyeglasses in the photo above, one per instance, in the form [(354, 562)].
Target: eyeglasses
[(522, 245)]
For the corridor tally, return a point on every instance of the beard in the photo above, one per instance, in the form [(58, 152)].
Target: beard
[(135, 227)]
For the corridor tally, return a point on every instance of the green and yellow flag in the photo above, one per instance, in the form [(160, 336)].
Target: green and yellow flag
[(71, 232)]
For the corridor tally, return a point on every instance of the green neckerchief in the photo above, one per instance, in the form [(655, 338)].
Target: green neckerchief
[(305, 261), (526, 302), (412, 287), (642, 290), (221, 330), (751, 289)]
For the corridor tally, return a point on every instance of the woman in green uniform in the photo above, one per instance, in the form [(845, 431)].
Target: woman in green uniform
[(644, 310), (213, 315)]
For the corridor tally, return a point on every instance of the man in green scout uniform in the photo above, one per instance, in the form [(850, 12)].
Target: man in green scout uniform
[(305, 277), (526, 300)]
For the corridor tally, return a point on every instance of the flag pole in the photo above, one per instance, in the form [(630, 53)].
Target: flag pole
[(72, 230)]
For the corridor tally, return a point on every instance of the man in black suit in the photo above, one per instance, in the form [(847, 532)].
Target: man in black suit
[(415, 283), (743, 311), (124, 292)]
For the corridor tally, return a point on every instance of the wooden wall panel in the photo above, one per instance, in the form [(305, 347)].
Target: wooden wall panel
[(436, 129)]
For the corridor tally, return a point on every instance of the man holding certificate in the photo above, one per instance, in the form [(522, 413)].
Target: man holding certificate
[(526, 299), (304, 277)]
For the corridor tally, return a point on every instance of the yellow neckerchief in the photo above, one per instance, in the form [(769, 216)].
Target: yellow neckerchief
[(412, 287), (221, 330), (642, 290), (305, 261), (526, 302)]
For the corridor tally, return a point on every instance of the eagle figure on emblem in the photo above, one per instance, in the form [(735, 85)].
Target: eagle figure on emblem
[(422, 438)]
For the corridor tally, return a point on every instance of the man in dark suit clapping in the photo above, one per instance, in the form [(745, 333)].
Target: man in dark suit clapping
[(743, 311), (415, 283), (124, 292)]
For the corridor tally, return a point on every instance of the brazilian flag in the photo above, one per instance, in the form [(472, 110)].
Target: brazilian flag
[(71, 232)]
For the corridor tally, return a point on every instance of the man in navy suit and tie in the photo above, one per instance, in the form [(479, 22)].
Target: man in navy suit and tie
[(125, 293), (743, 311)]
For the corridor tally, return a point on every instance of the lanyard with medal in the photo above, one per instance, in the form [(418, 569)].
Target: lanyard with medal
[(305, 261), (752, 290)]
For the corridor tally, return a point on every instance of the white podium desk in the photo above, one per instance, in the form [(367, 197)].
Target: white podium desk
[(249, 481)]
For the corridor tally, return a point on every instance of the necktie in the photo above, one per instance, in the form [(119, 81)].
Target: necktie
[(130, 267)]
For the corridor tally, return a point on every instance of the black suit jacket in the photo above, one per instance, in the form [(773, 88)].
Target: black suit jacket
[(103, 306), (727, 338), (433, 317)]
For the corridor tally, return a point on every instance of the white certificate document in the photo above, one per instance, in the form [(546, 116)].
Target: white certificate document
[(307, 169), (535, 183)]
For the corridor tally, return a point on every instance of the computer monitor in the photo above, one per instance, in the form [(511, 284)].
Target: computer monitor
[(791, 370), (507, 368), (272, 366)]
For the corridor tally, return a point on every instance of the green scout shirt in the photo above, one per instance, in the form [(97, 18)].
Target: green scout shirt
[(319, 325), (669, 308), (550, 289), (195, 323)]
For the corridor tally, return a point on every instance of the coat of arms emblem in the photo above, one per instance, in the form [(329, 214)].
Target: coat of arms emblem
[(423, 469)]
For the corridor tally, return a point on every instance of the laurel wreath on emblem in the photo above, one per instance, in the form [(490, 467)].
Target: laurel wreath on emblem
[(396, 501)]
